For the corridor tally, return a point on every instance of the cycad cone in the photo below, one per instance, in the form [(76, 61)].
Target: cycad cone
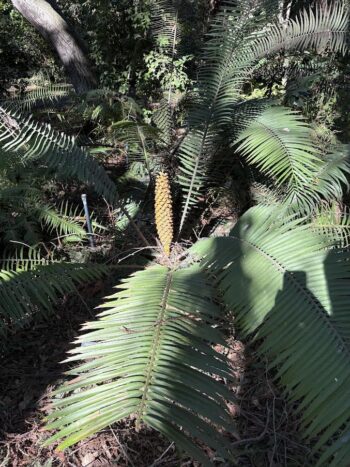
[(164, 212)]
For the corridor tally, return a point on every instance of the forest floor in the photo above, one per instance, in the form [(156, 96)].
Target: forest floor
[(30, 369)]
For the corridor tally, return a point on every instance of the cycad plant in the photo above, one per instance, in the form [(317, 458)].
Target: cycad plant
[(282, 270)]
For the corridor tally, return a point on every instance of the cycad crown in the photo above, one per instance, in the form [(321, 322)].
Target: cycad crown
[(164, 211)]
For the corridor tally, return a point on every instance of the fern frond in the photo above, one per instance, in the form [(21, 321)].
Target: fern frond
[(24, 292), (288, 288), (38, 141), (150, 354), (332, 178), (328, 183), (64, 220), (216, 98)]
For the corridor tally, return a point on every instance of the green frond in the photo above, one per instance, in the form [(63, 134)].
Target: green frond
[(150, 354), (24, 292), (133, 132), (329, 183), (279, 144), (23, 259), (40, 95), (138, 139), (38, 141), (64, 220), (122, 220), (165, 26), (332, 179), (333, 221), (238, 39), (288, 288), (217, 96), (195, 152), (163, 119), (321, 28), (23, 202)]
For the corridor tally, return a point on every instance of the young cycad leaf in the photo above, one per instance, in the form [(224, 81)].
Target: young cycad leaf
[(139, 140), (150, 354), (163, 119)]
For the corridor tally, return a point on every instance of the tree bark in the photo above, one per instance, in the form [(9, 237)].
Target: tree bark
[(48, 21)]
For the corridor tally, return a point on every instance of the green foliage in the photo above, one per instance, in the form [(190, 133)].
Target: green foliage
[(35, 290), (166, 67), (116, 34), (139, 141), (288, 288), (38, 95), (150, 354), (39, 142), (238, 39), (334, 222), (22, 51), (163, 119), (279, 142), (332, 179), (170, 73), (166, 26), (25, 214), (282, 271)]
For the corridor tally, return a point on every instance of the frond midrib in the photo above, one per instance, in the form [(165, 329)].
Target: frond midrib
[(205, 133), (150, 369)]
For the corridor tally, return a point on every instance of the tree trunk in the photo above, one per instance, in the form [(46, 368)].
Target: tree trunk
[(53, 27)]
